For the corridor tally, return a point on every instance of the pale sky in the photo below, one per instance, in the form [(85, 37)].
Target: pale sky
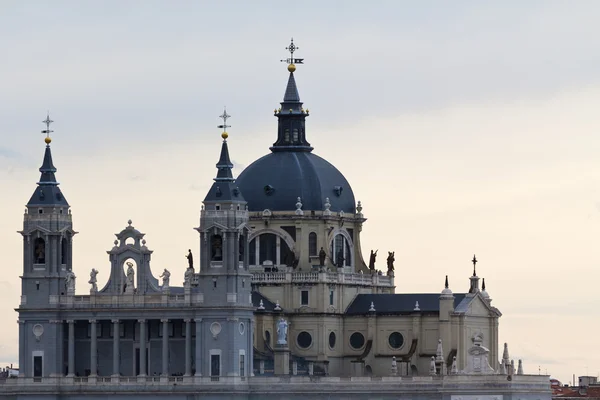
[(463, 127)]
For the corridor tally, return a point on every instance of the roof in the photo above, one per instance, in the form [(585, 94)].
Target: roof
[(47, 192), (276, 180), (399, 303), (267, 304), (224, 188)]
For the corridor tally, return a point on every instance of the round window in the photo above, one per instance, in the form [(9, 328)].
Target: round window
[(332, 340), (357, 340), (396, 340), (304, 340), (242, 328)]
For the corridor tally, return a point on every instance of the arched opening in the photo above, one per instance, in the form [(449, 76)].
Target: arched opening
[(271, 249), (64, 248), (39, 251), (312, 244), (341, 251), (129, 241), (130, 269), (216, 248), (242, 247)]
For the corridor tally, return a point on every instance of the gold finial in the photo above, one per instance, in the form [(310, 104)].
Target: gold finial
[(47, 131), (292, 61), (224, 126)]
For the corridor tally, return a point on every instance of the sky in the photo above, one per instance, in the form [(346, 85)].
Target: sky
[(463, 127)]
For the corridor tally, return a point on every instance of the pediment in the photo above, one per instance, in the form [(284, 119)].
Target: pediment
[(214, 225), (35, 229), (478, 307)]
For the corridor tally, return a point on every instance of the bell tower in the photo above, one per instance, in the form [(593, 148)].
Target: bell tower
[(224, 278), (47, 236)]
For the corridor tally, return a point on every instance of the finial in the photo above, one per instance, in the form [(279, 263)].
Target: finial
[(359, 207), (292, 61), (474, 261), (261, 305), (129, 222), (417, 307), (47, 131), (483, 285), (224, 126), (446, 284), (372, 307)]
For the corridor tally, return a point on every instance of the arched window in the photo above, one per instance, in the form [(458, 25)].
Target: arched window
[(286, 135), (270, 248), (295, 135), (312, 244), (242, 247), (341, 251), (216, 248), (63, 250), (39, 251)]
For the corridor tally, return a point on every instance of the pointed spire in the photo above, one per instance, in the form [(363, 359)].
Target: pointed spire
[(224, 165), (474, 261), (47, 193), (291, 135), (483, 284), (446, 283)]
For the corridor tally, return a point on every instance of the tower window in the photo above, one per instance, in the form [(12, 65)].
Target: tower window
[(215, 283), (295, 135), (286, 135), (312, 244), (37, 285), (39, 251), (63, 251), (331, 297), (341, 251), (40, 211), (217, 207), (216, 243), (304, 298)]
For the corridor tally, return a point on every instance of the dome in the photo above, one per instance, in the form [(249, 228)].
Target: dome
[(276, 180)]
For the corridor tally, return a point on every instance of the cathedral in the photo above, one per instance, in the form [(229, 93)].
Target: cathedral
[(277, 287)]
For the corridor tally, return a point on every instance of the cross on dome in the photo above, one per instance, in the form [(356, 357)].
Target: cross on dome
[(224, 126), (47, 131)]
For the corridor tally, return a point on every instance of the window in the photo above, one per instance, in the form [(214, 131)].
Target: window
[(304, 340), (304, 298), (267, 248), (63, 251), (268, 337), (331, 297), (242, 365), (215, 365), (218, 207), (341, 251), (396, 340), (39, 251), (38, 366), (241, 246), (216, 245), (331, 340), (357, 340), (295, 135), (312, 244)]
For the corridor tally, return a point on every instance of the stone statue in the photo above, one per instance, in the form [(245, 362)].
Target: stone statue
[(70, 281), (187, 278), (190, 259), (322, 256), (340, 259), (93, 281), (372, 259), (130, 278), (390, 262), (166, 277), (282, 328)]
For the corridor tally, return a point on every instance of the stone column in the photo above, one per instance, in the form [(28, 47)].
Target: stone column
[(188, 347), (165, 347), (116, 339), (71, 368), (22, 353), (143, 339), (198, 357), (93, 348)]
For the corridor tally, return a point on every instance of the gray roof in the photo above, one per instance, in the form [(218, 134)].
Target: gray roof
[(399, 303), (276, 180), (47, 193), (267, 304)]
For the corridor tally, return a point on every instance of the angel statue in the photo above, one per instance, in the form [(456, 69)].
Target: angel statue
[(93, 281), (166, 277)]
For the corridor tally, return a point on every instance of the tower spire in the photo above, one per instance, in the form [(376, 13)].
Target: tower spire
[(291, 135), (224, 165), (47, 193)]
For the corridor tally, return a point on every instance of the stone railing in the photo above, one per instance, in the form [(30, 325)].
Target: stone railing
[(270, 278), (125, 300)]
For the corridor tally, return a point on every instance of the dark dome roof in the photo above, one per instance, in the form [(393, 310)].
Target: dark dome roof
[(276, 180)]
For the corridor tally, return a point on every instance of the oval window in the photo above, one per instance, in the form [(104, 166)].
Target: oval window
[(396, 340), (304, 340), (357, 340), (332, 340)]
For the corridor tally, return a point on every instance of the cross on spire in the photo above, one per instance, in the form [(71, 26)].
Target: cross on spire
[(47, 131), (292, 48), (224, 126), (474, 261)]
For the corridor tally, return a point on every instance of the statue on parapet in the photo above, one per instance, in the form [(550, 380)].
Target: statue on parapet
[(282, 329), (93, 281), (372, 259), (190, 259), (70, 282), (166, 277), (187, 278), (339, 262), (390, 262), (322, 256)]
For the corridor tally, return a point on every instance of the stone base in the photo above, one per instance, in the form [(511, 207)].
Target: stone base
[(282, 360)]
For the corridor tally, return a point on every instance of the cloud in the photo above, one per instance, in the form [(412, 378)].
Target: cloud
[(9, 153)]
